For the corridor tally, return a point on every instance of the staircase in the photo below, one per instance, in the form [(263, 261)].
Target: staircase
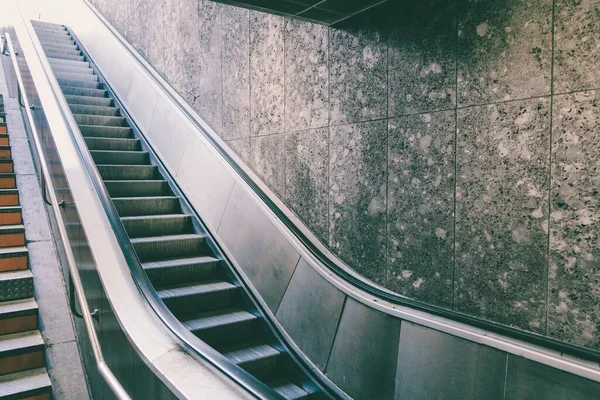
[(197, 288), (22, 372)]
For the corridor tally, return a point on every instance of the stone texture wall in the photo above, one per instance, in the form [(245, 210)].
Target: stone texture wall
[(447, 150)]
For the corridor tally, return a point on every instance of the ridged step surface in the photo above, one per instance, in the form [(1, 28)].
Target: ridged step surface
[(25, 384)]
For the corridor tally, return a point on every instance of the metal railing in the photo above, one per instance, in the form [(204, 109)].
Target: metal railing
[(111, 381)]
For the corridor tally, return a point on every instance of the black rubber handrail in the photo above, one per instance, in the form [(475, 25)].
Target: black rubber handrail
[(359, 282), (187, 340)]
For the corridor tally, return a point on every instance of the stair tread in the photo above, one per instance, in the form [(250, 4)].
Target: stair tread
[(199, 288), (10, 275), (178, 262), (13, 342), (24, 381), (5, 251), (8, 191), (167, 238), (218, 318), (145, 197), (18, 307), (251, 352), (288, 389), (5, 229)]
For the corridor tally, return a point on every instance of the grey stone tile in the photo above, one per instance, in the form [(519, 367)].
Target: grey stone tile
[(421, 206), (266, 73), (504, 50), (576, 42), (241, 147), (267, 160), (172, 56), (154, 52), (357, 196), (34, 213), (306, 80), (66, 374), (55, 321), (502, 212), (573, 309), (14, 119), (187, 33), (357, 73), (209, 103), (139, 38), (21, 154), (236, 73), (307, 178), (422, 57)]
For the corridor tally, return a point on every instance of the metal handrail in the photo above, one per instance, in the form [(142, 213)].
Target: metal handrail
[(196, 347), (104, 370)]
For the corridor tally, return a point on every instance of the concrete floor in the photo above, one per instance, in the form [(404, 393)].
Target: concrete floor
[(63, 360)]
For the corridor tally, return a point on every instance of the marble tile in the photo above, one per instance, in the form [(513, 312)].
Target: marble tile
[(357, 73), (576, 43), (155, 35), (307, 178), (502, 212), (209, 100), (171, 67), (357, 196), (267, 160), (422, 57), (241, 147), (236, 73), (266, 73), (421, 206), (574, 276), (187, 30), (306, 75), (504, 50)]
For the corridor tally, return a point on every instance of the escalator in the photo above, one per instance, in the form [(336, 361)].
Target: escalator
[(191, 278)]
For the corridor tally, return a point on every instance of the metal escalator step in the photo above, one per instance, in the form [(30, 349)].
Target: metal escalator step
[(59, 45), (100, 143), (100, 120), (68, 52), (80, 91), (169, 247), (259, 359), (71, 63), (224, 327), (156, 225), (56, 40), (66, 69), (74, 76), (89, 100), (120, 158), (63, 56), (173, 272), (194, 299), (129, 172), (79, 84), (290, 391), (137, 188), (85, 109), (116, 132), (132, 206)]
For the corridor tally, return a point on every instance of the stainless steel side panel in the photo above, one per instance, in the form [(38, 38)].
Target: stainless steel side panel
[(434, 365), (364, 354), (301, 308)]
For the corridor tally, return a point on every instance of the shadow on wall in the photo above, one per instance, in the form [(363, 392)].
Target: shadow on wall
[(421, 141)]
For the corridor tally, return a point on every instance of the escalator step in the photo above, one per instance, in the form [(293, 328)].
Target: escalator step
[(145, 188), (100, 120), (89, 100), (181, 270), (124, 171), (58, 62), (79, 84), (74, 76), (81, 91), (193, 299), (259, 359), (132, 206), (156, 225), (100, 143), (224, 327), (109, 132), (65, 69), (290, 391), (118, 159), (168, 247), (64, 56), (84, 109)]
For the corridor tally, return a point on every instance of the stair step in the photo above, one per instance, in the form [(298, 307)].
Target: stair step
[(8, 181), (224, 327), (9, 197), (89, 100), (79, 84), (56, 40), (137, 172), (137, 188), (290, 391), (73, 76), (59, 44), (13, 258), (108, 132), (194, 299), (16, 285), (80, 91), (63, 50), (112, 157), (18, 316), (259, 359), (63, 56), (4, 139), (5, 152), (12, 236), (65, 69), (94, 110), (99, 143), (6, 166), (155, 225), (58, 62), (21, 351), (168, 247), (10, 215), (172, 272), (135, 206), (33, 384), (100, 120)]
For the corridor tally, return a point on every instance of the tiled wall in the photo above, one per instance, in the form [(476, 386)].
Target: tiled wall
[(447, 150)]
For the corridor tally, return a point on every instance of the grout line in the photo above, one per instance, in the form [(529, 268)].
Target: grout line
[(550, 169), (457, 15)]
